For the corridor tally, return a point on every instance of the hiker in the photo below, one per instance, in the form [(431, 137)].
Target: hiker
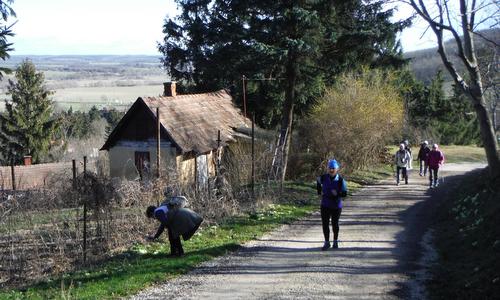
[(408, 148), (178, 220), (435, 160), (331, 188), (402, 159), (422, 157)]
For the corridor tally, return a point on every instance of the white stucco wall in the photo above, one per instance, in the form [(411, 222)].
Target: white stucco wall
[(122, 158)]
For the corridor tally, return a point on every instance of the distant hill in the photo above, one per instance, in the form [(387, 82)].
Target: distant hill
[(425, 63)]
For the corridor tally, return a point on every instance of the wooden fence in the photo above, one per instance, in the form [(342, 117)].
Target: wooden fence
[(36, 176)]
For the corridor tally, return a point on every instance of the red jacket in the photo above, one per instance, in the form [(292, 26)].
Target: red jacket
[(435, 159)]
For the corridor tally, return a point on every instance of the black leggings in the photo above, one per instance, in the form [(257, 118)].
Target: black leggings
[(404, 173), (334, 214), (175, 244), (433, 175)]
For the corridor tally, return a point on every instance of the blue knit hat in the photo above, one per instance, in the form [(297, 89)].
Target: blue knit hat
[(333, 164)]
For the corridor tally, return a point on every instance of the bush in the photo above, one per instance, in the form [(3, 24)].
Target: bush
[(352, 122)]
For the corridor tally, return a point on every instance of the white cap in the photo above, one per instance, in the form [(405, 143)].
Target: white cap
[(426, 142)]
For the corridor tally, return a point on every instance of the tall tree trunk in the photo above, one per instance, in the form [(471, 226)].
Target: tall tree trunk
[(287, 114), (487, 132), (291, 73)]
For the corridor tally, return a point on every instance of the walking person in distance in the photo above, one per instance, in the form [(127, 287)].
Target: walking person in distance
[(402, 160), (422, 157), (435, 160)]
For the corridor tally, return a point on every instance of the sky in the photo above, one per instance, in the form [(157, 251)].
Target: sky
[(121, 27)]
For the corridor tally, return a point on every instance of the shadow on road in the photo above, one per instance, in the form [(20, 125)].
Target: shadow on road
[(417, 219)]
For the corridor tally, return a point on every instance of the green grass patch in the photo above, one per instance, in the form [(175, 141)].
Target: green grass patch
[(144, 265), (370, 176), (456, 154), (467, 238)]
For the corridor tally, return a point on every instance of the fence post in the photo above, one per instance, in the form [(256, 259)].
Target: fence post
[(13, 174), (74, 173), (253, 156), (84, 214), (158, 149)]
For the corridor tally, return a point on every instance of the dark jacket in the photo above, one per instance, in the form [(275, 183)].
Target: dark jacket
[(180, 221), (423, 152), (325, 184), (183, 221)]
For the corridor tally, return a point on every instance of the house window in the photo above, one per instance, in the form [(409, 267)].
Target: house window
[(142, 163)]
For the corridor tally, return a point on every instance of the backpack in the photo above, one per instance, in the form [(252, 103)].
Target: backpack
[(175, 202)]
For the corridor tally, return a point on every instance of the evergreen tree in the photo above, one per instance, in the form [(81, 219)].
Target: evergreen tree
[(447, 119), (292, 48), (5, 32), (27, 125)]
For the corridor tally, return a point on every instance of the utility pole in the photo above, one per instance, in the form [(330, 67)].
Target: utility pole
[(158, 136)]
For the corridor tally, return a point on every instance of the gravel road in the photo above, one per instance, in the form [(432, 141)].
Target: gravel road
[(381, 230)]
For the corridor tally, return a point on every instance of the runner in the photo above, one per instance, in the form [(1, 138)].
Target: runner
[(331, 188)]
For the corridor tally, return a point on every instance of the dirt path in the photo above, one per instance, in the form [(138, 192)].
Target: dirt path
[(380, 233)]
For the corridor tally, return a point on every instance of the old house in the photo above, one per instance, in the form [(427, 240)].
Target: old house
[(189, 126)]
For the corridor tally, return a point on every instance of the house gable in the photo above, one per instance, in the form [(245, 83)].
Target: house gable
[(138, 124), (189, 122)]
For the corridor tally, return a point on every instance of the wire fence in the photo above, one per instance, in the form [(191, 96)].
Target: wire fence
[(79, 218)]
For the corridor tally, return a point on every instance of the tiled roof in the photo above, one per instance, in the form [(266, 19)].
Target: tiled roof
[(192, 120)]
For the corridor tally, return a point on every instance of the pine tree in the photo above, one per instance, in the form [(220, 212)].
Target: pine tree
[(293, 48), (5, 32), (27, 125)]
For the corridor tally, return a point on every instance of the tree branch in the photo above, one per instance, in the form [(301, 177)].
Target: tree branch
[(486, 39)]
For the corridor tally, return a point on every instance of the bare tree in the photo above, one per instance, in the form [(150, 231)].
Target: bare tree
[(444, 18), (491, 87)]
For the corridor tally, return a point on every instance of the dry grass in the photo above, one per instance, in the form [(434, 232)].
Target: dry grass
[(42, 231)]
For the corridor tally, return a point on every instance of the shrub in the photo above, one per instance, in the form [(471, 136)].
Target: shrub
[(352, 122)]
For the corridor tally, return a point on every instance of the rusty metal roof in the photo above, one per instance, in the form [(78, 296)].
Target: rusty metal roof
[(192, 121)]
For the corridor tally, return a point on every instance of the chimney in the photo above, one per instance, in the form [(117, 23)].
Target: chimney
[(27, 160), (169, 89)]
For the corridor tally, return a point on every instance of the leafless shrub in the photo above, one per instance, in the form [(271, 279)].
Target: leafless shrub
[(42, 231)]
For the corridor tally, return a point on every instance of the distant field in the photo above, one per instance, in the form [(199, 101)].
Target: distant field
[(83, 98), (120, 96), (102, 80)]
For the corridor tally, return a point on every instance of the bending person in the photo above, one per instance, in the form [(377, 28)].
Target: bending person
[(179, 222)]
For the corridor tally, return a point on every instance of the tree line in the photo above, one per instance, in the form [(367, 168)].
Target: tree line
[(29, 126), (286, 59)]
